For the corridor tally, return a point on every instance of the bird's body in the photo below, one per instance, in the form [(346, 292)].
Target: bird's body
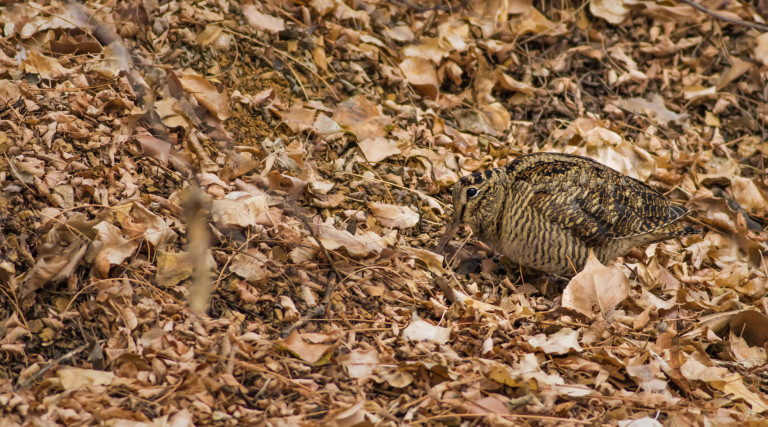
[(547, 210)]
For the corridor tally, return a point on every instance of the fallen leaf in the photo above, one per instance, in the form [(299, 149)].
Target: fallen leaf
[(213, 99), (313, 354), (420, 330), (77, 378), (261, 21), (761, 48), (357, 245), (596, 289), (45, 66), (241, 209), (362, 117), (158, 233), (752, 326), (360, 364), (653, 108), (114, 248), (172, 268), (155, 147), (378, 149), (733, 384), (394, 216), (421, 74), (612, 11), (298, 118), (250, 265), (561, 342), (52, 268), (748, 195)]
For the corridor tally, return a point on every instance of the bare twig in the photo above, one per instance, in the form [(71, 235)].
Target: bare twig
[(284, 55), (421, 9), (320, 309), (36, 376), (725, 18)]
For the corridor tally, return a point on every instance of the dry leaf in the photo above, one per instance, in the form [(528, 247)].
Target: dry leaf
[(393, 216), (420, 330), (241, 209), (752, 326), (76, 378), (613, 11), (357, 245), (113, 248), (378, 149), (313, 354), (653, 108), (45, 66), (52, 268), (748, 195), (561, 342), (214, 100), (761, 48), (250, 265), (172, 268), (261, 21), (596, 289), (157, 232), (421, 74), (361, 117), (360, 364)]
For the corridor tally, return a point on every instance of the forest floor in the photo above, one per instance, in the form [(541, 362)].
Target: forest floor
[(215, 213)]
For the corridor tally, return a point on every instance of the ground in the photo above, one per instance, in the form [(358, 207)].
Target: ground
[(217, 213)]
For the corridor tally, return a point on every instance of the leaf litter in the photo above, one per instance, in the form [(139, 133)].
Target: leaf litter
[(223, 213)]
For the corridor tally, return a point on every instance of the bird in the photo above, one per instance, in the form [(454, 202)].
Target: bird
[(547, 211)]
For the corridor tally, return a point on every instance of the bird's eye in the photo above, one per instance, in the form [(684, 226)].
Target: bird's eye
[(471, 192)]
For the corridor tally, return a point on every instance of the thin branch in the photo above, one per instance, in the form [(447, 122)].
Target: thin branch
[(37, 375), (725, 18), (321, 308)]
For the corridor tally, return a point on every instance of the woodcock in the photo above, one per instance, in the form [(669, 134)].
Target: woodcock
[(547, 210)]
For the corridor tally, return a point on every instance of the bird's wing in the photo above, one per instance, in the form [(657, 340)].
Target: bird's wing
[(594, 202)]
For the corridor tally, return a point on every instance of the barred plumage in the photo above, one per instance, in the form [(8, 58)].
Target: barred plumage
[(547, 210)]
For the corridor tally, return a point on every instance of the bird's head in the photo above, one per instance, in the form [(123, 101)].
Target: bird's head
[(476, 200)]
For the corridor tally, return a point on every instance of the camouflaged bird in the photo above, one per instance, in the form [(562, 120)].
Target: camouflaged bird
[(547, 210)]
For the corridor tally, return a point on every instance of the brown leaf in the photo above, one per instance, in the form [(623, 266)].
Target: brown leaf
[(596, 289), (299, 118), (155, 147), (76, 378), (752, 326), (157, 232), (393, 216), (378, 149), (421, 74), (313, 354), (561, 342), (114, 248), (250, 265), (45, 66), (613, 11), (360, 364), (52, 268), (261, 21), (420, 330), (241, 209), (357, 245), (761, 48), (362, 117), (207, 95), (749, 196), (172, 268)]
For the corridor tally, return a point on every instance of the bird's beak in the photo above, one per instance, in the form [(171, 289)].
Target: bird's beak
[(449, 232)]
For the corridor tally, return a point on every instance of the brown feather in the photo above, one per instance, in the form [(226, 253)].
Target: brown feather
[(547, 210)]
